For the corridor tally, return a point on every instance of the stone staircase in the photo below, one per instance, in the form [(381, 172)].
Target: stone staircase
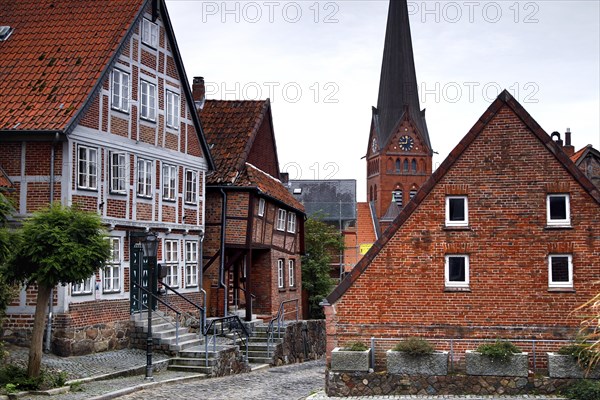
[(258, 345), (164, 332)]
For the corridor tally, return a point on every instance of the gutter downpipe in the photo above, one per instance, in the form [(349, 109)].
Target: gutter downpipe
[(222, 263), (201, 284), (51, 300)]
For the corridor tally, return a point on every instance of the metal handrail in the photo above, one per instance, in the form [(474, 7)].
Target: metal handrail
[(280, 318), (178, 313), (213, 325), (202, 316)]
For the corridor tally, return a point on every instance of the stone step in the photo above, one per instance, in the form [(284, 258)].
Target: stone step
[(186, 344), (183, 337), (198, 362), (198, 352), (259, 360), (192, 368), (258, 366)]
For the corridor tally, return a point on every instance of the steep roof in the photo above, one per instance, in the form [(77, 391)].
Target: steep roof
[(55, 57), (504, 99), (268, 185), (230, 128), (334, 198), (5, 182), (398, 89), (364, 224), (60, 53), (582, 154)]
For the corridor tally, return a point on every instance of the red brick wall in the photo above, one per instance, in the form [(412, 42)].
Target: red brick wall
[(506, 173), (263, 154), (383, 177)]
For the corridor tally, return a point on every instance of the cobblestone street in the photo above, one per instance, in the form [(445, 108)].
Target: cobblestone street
[(288, 382)]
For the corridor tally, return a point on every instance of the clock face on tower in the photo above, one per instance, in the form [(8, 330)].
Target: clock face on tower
[(406, 143)]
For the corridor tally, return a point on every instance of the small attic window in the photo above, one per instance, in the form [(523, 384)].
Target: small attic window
[(5, 32), (297, 190)]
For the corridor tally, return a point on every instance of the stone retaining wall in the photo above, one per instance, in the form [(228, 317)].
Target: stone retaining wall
[(229, 362), (303, 340), (67, 342), (340, 384)]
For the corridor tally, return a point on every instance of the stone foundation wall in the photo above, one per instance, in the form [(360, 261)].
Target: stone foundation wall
[(340, 384), (303, 340), (70, 341), (229, 362)]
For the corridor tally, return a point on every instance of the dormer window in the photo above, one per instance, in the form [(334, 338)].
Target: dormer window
[(5, 32), (150, 33)]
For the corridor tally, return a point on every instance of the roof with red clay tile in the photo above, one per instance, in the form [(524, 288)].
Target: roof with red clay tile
[(575, 157), (503, 99), (230, 128), (578, 157), (268, 185), (55, 57), (364, 224), (5, 182)]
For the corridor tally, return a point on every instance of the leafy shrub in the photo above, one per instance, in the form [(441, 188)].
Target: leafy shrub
[(584, 390), (356, 346), (500, 350), (414, 346), (14, 379), (581, 352)]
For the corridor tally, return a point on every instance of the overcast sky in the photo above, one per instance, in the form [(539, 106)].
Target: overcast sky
[(319, 63)]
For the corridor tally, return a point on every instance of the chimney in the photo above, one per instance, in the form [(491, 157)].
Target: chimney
[(199, 92), (284, 177), (568, 148), (558, 140)]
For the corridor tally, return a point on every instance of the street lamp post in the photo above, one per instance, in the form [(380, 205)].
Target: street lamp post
[(150, 246)]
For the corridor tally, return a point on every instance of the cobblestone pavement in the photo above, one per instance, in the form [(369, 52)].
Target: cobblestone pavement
[(104, 363), (298, 381), (295, 381)]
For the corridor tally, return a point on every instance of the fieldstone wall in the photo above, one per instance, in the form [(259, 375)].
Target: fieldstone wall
[(229, 362), (303, 340), (67, 342), (340, 384)]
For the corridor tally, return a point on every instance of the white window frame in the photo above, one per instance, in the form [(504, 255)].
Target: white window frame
[(280, 273), (464, 222), (559, 222), (191, 186), (169, 182), (292, 272), (111, 273), (144, 177), (261, 207), (118, 172), (291, 225), (87, 167), (150, 33), (84, 287), (456, 284), (551, 282), (147, 100), (171, 250), (173, 110), (281, 220), (191, 263), (120, 90)]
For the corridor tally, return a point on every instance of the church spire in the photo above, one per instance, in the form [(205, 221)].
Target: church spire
[(398, 89)]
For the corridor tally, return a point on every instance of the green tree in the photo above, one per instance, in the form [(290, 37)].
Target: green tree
[(7, 291), (322, 241), (58, 245)]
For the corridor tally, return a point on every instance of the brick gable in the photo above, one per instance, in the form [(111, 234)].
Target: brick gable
[(398, 288)]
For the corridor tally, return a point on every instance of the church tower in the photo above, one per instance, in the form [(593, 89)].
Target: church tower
[(399, 156)]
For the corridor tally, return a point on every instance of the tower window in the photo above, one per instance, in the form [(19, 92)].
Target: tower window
[(405, 165), (397, 197), (413, 165), (397, 165)]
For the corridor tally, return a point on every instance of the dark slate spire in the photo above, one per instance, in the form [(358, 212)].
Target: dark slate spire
[(398, 83)]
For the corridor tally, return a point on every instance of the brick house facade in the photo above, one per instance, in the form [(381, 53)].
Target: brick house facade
[(254, 226), (501, 241), (106, 122)]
